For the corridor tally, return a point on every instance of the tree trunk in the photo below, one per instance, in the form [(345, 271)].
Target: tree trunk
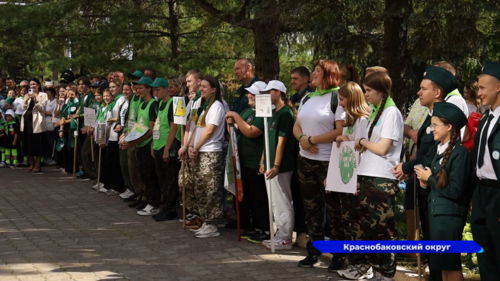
[(266, 39), (174, 33), (396, 48)]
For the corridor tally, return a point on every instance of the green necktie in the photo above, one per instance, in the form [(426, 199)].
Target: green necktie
[(482, 143)]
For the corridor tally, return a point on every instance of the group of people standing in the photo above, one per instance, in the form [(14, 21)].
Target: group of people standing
[(331, 105)]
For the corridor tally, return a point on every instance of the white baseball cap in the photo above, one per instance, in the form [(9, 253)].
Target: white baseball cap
[(256, 87), (275, 85), (10, 112)]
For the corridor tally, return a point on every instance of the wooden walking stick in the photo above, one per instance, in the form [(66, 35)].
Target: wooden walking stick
[(417, 227), (91, 145), (183, 163)]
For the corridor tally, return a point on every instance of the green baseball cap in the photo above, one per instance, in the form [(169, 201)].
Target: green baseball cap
[(136, 74), (160, 82), (442, 77), (95, 84), (144, 81), (450, 112), (9, 100), (492, 69)]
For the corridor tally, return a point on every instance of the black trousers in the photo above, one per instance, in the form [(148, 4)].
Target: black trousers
[(168, 180), (254, 205), (112, 170), (147, 170)]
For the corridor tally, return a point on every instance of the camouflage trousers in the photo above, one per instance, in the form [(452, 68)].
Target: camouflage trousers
[(134, 175), (204, 179), (370, 216), (89, 166), (312, 175)]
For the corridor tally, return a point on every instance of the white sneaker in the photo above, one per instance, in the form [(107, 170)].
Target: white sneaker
[(50, 162), (148, 211), (357, 272), (3, 165), (280, 244), (102, 189), (199, 229), (189, 217), (97, 185), (126, 194), (209, 231), (379, 277)]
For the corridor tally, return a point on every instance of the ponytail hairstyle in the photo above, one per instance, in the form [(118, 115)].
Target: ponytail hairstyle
[(348, 73), (356, 105), (472, 89), (287, 102), (442, 176), (214, 83), (380, 82), (331, 76)]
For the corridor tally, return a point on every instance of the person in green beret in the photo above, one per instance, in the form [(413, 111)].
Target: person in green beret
[(447, 179), (485, 218), (166, 143)]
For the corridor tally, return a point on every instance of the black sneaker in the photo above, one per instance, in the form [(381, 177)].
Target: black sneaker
[(162, 212), (134, 203), (169, 215), (336, 264), (309, 261), (248, 232), (258, 237)]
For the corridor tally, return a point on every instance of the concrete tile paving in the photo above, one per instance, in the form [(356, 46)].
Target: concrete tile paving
[(55, 228)]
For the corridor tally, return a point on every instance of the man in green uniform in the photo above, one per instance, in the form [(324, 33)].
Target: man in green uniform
[(437, 82), (243, 69), (84, 138), (300, 84), (485, 219), (166, 143)]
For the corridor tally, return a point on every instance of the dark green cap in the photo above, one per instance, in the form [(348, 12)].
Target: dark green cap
[(144, 81), (160, 82), (68, 76), (136, 74), (103, 85), (492, 69), (450, 112), (442, 77), (95, 84), (9, 100)]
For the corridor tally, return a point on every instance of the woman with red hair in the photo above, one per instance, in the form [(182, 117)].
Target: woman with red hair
[(319, 123)]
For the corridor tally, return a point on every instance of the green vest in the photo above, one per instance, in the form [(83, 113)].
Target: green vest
[(143, 118), (133, 108), (162, 125)]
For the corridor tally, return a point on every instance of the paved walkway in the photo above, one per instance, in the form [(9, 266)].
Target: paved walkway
[(55, 228)]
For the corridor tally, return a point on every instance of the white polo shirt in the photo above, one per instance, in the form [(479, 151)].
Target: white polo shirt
[(316, 118), (389, 126)]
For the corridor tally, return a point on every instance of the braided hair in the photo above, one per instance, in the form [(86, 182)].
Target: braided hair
[(442, 176), (380, 82), (288, 103)]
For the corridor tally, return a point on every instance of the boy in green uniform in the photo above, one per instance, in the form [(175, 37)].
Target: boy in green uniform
[(485, 219), (166, 143)]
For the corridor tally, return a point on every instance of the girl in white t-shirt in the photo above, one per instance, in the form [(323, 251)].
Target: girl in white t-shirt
[(205, 152), (317, 127), (373, 215)]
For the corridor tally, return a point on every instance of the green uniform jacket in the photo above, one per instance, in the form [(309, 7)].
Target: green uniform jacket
[(297, 97), (453, 199), (425, 140), (240, 101), (493, 144)]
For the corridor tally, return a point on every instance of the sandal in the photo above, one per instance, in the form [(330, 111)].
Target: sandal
[(39, 170), (31, 169)]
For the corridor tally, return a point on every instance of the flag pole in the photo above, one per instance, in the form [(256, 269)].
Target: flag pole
[(268, 184)]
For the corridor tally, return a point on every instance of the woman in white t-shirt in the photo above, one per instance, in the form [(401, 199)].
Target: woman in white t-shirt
[(317, 126), (373, 215), (205, 152)]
